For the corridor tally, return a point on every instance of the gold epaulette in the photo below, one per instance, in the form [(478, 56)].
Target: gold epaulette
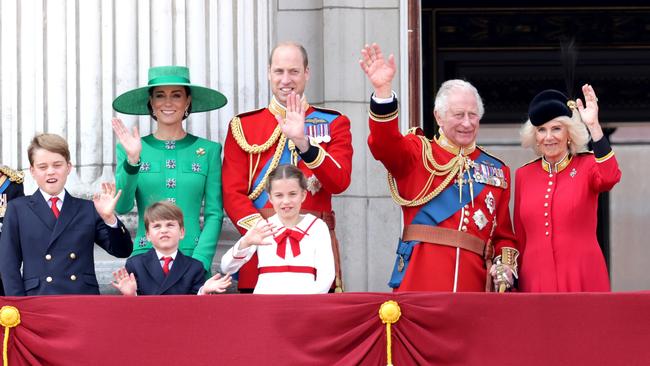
[(15, 176)]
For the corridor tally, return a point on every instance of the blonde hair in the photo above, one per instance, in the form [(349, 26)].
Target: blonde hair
[(578, 134)]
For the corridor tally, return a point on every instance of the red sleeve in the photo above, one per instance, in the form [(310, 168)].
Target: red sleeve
[(333, 165), (396, 152)]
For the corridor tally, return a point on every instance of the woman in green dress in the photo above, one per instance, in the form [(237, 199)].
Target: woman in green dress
[(171, 164)]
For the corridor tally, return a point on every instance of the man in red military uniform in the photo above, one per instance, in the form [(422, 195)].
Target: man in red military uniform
[(454, 195), (288, 131)]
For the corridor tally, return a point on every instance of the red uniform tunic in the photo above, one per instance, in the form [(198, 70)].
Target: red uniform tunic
[(555, 222), (436, 267), (327, 166)]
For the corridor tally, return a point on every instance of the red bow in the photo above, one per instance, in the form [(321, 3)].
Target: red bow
[(294, 237)]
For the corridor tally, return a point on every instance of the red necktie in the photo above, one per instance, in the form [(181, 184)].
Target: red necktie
[(55, 208), (294, 237), (166, 264)]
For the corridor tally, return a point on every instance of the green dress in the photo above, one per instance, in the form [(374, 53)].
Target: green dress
[(186, 172)]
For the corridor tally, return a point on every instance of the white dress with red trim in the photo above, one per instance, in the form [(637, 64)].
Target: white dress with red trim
[(302, 262)]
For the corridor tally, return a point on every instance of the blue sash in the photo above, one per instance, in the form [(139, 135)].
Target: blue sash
[(440, 208), (5, 185), (318, 118)]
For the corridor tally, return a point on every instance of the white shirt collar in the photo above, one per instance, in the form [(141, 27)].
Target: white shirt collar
[(47, 196), (159, 255)]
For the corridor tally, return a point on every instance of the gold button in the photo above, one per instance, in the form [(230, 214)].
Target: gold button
[(466, 213), (548, 190), (466, 220), (550, 175), (73, 256), (545, 204), (546, 224), (545, 214), (550, 183), (466, 207), (547, 233), (464, 228), (48, 279), (48, 257), (73, 278), (546, 196)]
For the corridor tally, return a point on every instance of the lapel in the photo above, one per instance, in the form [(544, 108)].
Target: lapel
[(41, 209), (176, 272), (69, 211), (153, 267)]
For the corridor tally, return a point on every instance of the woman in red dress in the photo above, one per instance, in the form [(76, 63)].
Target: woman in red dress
[(556, 196)]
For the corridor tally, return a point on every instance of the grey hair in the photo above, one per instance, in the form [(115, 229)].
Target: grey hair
[(578, 134), (442, 103)]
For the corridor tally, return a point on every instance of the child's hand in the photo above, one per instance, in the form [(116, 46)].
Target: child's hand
[(125, 282), (217, 284), (256, 235), (105, 202)]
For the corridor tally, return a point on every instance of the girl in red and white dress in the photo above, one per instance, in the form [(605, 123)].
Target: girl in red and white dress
[(294, 250)]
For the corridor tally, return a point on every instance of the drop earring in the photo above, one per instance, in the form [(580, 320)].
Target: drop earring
[(187, 113)]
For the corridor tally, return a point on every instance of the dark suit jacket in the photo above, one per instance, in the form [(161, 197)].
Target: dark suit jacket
[(56, 255), (186, 276)]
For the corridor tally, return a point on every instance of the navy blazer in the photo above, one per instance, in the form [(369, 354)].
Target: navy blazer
[(56, 254), (186, 276)]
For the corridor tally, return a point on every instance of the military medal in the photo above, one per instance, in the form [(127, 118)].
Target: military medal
[(490, 203), (313, 185), (573, 172), (487, 173), (400, 264), (318, 129), (479, 219)]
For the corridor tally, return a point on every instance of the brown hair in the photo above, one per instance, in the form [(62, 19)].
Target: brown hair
[(286, 171), (303, 51), (50, 142), (162, 210)]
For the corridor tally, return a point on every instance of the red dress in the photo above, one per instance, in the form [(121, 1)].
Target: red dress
[(555, 222), (435, 267), (328, 167)]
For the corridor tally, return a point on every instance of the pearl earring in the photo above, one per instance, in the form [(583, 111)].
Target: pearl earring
[(187, 113)]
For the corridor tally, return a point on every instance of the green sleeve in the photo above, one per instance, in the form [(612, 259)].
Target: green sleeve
[(212, 211), (126, 179)]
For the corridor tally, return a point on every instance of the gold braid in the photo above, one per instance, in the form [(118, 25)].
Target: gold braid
[(450, 169), (274, 163), (238, 134)]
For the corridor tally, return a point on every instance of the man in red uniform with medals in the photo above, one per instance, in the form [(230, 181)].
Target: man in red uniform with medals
[(454, 195), (288, 131), (11, 186)]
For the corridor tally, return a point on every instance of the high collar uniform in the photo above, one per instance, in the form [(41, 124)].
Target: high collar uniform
[(555, 221), (431, 266), (250, 146)]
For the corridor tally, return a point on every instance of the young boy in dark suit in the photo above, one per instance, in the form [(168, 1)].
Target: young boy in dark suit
[(163, 269), (51, 234)]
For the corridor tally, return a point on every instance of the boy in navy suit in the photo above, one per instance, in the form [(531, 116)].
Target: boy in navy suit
[(51, 234), (163, 269)]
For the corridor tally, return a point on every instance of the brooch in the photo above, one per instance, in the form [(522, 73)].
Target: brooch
[(200, 151)]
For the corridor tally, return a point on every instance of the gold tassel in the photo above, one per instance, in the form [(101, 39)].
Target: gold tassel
[(9, 318), (389, 313)]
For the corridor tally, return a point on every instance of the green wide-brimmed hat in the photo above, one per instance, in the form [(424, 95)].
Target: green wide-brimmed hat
[(135, 101)]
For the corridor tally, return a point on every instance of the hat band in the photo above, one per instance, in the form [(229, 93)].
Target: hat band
[(169, 80)]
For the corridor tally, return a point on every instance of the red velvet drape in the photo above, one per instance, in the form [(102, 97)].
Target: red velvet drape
[(335, 329)]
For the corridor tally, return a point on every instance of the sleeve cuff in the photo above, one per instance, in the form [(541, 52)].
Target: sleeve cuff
[(602, 149), (130, 168), (311, 154), (383, 112)]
